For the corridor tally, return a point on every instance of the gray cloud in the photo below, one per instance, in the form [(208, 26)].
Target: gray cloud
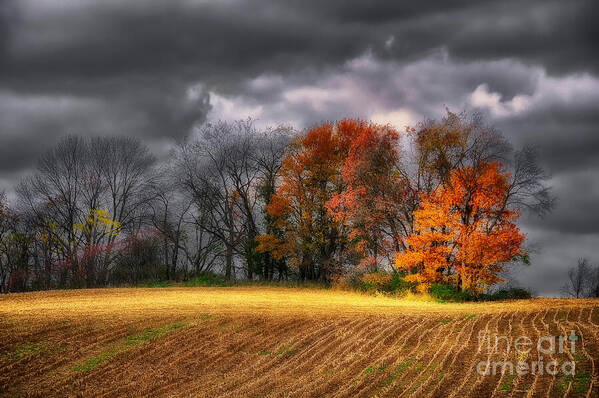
[(30, 123), (227, 40), (554, 253), (576, 211)]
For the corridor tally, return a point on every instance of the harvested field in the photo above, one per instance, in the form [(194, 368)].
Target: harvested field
[(257, 341)]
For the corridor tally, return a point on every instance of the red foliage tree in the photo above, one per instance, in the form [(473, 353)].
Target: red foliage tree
[(372, 202), (310, 175)]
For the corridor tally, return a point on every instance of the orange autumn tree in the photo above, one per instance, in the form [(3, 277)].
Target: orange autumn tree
[(309, 237), (372, 202), (464, 231)]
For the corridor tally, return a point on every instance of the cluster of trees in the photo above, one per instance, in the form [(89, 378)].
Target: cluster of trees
[(103, 211), (443, 210), (70, 223), (439, 202)]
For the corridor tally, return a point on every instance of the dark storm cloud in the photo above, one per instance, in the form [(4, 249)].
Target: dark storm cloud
[(7, 20), (555, 252), (17, 153), (30, 123), (565, 145), (228, 40), (560, 35), (576, 212), (215, 41)]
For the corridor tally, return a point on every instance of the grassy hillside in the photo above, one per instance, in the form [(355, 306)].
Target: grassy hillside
[(259, 341)]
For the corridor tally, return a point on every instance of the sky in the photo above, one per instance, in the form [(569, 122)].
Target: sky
[(155, 69)]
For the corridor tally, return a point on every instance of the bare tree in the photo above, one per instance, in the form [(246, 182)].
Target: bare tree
[(217, 173), (230, 169), (122, 165), (593, 282), (55, 189), (81, 195), (578, 278), (16, 241), (180, 223), (5, 231)]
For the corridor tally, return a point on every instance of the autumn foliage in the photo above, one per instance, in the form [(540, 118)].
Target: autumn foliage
[(350, 200), (463, 231), (371, 203), (309, 235)]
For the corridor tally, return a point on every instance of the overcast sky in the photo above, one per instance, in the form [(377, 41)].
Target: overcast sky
[(154, 69)]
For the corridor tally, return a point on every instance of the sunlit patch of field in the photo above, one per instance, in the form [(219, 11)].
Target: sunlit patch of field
[(258, 341)]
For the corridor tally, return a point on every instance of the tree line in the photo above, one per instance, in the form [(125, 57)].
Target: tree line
[(438, 202)]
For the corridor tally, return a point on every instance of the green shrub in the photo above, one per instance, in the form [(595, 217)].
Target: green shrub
[(377, 281), (443, 292), (449, 293), (398, 284), (207, 279), (512, 293), (157, 283)]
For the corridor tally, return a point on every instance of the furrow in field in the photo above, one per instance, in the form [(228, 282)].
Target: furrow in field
[(419, 349), (420, 385), (348, 367), (241, 370), (222, 348), (307, 359), (396, 350)]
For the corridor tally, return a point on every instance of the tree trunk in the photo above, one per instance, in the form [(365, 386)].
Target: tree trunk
[(166, 262), (228, 262)]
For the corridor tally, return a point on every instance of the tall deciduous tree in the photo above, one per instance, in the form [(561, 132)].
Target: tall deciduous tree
[(226, 169), (372, 203), (272, 146), (464, 232), (457, 140), (310, 237)]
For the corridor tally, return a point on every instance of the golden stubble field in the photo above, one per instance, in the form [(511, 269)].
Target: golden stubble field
[(283, 342)]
